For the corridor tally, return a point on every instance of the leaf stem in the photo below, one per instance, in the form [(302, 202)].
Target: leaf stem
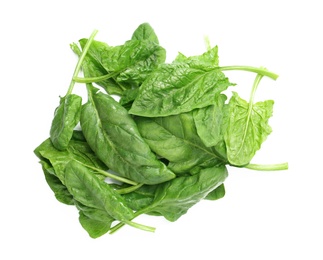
[(95, 79), (121, 224), (268, 167), (261, 71), (129, 189), (80, 61), (110, 175), (140, 226)]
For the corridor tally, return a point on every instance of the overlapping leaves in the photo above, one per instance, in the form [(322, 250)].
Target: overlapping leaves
[(158, 150)]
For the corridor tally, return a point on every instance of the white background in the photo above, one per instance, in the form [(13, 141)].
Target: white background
[(264, 215)]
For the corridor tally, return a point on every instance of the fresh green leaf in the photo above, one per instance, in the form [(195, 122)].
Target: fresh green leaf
[(128, 97), (95, 228), (177, 88), (217, 193), (175, 197), (76, 151), (60, 191), (67, 116), (134, 60), (247, 128), (208, 121), (140, 198), (93, 68), (114, 137), (175, 138), (92, 192), (145, 32), (209, 58)]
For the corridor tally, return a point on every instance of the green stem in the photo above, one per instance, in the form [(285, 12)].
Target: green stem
[(268, 167), (110, 175), (80, 61), (121, 224), (129, 189), (96, 79), (261, 71), (250, 107), (140, 226)]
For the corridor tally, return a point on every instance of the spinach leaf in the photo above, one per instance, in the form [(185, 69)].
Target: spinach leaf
[(95, 227), (175, 138), (67, 116), (216, 194), (208, 121), (140, 198), (90, 191), (114, 137), (60, 191), (145, 32), (76, 151), (177, 88), (247, 128), (95, 221), (95, 69), (175, 197), (134, 60), (128, 97), (209, 58)]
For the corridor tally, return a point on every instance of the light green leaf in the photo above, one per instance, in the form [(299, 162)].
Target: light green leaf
[(247, 128)]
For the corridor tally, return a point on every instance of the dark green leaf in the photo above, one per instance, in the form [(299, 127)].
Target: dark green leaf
[(140, 198), (247, 128), (175, 197), (67, 116), (114, 137), (94, 227), (135, 59), (77, 150), (175, 138), (208, 121), (128, 97), (217, 193), (60, 191), (92, 192), (177, 88)]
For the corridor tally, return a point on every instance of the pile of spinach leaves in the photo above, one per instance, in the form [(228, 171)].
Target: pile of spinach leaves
[(159, 148)]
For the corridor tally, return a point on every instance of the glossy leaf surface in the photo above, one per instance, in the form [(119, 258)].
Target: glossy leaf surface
[(208, 121), (92, 192), (177, 88), (67, 116), (175, 138), (174, 198), (114, 137)]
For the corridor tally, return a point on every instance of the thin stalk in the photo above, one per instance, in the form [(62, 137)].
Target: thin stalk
[(140, 226), (110, 175), (121, 224), (250, 107), (261, 71), (96, 79), (268, 167), (80, 61), (129, 189)]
